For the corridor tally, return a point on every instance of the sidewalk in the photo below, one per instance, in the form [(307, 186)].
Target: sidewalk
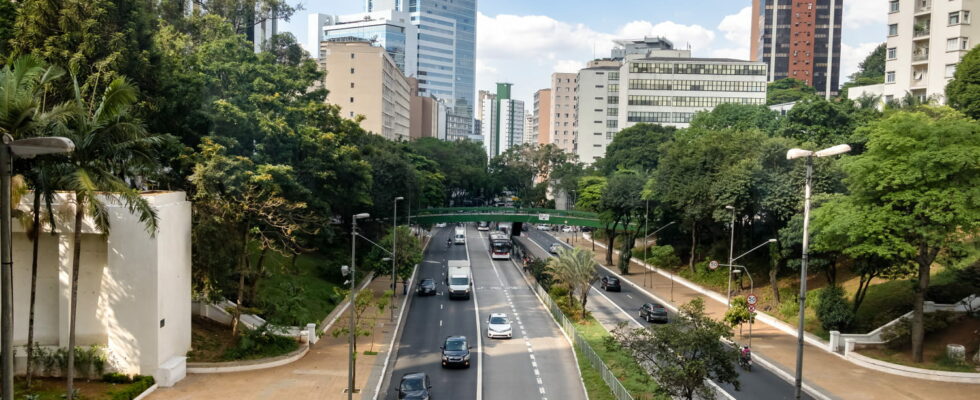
[(826, 370), (321, 374)]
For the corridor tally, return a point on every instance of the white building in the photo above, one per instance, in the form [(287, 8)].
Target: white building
[(669, 91), (598, 108), (926, 40), (134, 290), (503, 121), (530, 134)]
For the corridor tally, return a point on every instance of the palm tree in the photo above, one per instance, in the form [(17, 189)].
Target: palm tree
[(109, 143), (23, 114), (575, 268)]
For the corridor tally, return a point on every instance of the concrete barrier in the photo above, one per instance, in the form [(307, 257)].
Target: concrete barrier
[(251, 365)]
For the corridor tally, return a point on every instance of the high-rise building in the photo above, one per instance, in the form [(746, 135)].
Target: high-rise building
[(669, 91), (542, 116), (530, 135), (428, 114), (503, 121), (805, 30), (364, 80), (641, 47), (926, 41), (389, 29), (598, 110), (563, 110), (447, 54)]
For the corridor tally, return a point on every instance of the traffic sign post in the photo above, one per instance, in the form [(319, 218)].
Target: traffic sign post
[(752, 308), (713, 265), (751, 299)]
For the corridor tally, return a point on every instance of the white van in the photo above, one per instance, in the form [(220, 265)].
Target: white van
[(459, 280), (459, 237)]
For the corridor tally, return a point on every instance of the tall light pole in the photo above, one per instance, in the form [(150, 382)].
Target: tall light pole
[(394, 251), (9, 149), (646, 245), (793, 154), (731, 249), (647, 237), (353, 297)]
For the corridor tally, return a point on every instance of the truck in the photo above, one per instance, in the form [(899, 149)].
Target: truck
[(459, 279)]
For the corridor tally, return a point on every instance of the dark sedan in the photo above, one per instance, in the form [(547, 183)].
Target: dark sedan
[(456, 352), (414, 386), (426, 288), (651, 312), (611, 284)]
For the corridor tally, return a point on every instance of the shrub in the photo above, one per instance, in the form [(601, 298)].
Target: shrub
[(259, 343), (833, 309), (950, 293), (138, 386)]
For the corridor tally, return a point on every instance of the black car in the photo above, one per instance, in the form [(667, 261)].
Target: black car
[(456, 352), (414, 386), (611, 284), (653, 312), (427, 287)]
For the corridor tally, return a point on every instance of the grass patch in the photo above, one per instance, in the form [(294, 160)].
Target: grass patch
[(594, 385), (370, 353), (54, 389), (295, 294), (938, 363), (212, 342), (621, 363)]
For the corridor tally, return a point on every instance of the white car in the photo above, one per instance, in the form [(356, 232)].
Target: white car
[(566, 229), (441, 225), (498, 326), (544, 227)]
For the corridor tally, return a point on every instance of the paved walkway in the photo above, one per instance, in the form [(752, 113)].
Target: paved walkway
[(321, 374), (828, 371)]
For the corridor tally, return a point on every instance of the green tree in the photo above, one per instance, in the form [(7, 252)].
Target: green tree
[(685, 353), (740, 117), (462, 163), (409, 254), (623, 200), (574, 268), (963, 92), (245, 14), (109, 143), (738, 313), (918, 185), (663, 256), (834, 312), (636, 147), (8, 15), (873, 65), (788, 90)]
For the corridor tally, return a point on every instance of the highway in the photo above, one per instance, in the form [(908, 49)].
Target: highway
[(537, 363), (623, 306)]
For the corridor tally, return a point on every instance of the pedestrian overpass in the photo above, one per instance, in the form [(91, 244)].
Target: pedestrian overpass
[(508, 214)]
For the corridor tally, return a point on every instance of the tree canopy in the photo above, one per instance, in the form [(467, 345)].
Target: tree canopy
[(963, 92)]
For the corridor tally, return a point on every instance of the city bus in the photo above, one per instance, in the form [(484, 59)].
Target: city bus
[(500, 246)]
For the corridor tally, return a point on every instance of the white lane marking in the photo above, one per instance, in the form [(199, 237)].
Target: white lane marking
[(628, 295), (440, 306)]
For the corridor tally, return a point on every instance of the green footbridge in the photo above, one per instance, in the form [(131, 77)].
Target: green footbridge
[(508, 214)]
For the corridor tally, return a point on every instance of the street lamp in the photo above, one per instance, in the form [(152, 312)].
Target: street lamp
[(646, 246), (353, 297), (394, 250), (793, 154), (731, 249), (9, 149)]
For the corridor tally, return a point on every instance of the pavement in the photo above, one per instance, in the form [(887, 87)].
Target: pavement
[(537, 363), (828, 373), (321, 374)]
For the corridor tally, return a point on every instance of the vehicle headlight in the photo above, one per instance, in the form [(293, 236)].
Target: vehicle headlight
[(444, 358), (466, 357)]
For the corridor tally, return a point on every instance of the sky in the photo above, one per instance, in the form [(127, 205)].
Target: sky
[(524, 41)]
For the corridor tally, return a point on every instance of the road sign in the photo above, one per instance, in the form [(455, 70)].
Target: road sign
[(713, 265), (752, 299), (751, 308), (544, 217)]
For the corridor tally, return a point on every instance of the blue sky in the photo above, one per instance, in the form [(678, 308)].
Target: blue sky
[(525, 41)]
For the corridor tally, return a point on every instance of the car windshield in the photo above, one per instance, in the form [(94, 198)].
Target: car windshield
[(455, 345), (428, 282), (458, 281), (498, 320), (411, 384), (613, 280)]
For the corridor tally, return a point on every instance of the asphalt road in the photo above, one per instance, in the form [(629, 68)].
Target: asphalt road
[(623, 306), (429, 321), (537, 363)]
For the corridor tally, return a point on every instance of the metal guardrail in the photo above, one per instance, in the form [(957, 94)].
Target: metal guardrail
[(583, 347)]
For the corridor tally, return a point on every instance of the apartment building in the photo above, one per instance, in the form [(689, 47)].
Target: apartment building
[(669, 91), (796, 40), (503, 121), (926, 40), (389, 29), (541, 123), (598, 111), (563, 107), (363, 79)]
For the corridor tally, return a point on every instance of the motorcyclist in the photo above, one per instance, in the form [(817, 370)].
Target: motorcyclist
[(745, 354), (449, 242)]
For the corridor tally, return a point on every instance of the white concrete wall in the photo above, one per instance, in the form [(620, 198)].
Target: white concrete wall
[(128, 282)]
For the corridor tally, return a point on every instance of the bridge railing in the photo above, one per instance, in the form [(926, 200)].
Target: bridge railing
[(507, 210)]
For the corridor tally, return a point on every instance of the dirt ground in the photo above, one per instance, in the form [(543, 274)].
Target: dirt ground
[(966, 332)]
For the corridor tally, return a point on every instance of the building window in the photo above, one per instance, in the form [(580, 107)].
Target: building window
[(893, 30), (893, 6), (950, 70), (955, 44), (352, 85), (890, 77), (352, 70), (959, 17), (892, 53), (352, 56)]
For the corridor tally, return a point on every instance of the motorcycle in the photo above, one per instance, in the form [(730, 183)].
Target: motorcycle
[(745, 360)]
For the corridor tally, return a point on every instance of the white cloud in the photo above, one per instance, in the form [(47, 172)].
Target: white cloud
[(532, 36), (859, 13), (738, 27), (851, 56), (697, 36), (568, 66)]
